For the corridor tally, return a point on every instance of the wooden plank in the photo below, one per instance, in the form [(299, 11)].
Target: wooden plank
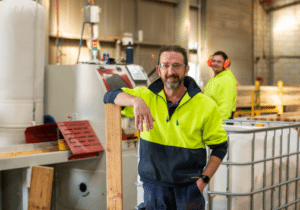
[(291, 118), (271, 117), (289, 114), (114, 157), (32, 152), (40, 188), (288, 117)]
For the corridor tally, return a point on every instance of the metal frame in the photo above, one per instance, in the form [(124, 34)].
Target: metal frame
[(269, 126)]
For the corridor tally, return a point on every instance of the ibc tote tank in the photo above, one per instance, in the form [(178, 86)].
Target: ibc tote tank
[(22, 56)]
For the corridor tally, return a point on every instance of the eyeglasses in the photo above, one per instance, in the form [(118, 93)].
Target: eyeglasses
[(174, 65)]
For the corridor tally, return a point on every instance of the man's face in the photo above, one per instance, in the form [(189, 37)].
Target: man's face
[(217, 63), (172, 69)]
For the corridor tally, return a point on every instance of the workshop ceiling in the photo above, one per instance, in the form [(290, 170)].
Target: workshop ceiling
[(271, 5)]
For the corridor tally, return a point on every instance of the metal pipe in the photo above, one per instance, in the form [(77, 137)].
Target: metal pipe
[(287, 167), (199, 35), (228, 179), (280, 168), (258, 130), (256, 191), (208, 197), (272, 174), (297, 167), (252, 171), (260, 161), (265, 168), (295, 202), (271, 51)]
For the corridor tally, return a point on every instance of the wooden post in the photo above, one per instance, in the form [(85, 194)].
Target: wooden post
[(252, 103), (40, 188), (257, 95), (113, 157), (280, 93)]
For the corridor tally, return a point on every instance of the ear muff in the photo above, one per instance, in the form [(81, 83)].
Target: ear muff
[(209, 62), (225, 66)]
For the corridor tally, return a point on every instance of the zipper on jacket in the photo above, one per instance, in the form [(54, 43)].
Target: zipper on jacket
[(167, 119), (177, 108)]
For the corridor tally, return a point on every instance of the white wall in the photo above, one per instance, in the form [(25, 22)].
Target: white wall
[(286, 45)]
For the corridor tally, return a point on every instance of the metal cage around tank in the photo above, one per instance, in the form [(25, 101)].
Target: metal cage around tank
[(261, 169)]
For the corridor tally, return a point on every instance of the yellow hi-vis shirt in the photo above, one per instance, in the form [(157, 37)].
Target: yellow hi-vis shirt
[(222, 89)]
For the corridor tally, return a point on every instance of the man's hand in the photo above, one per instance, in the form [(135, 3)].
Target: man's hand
[(142, 114), (212, 166), (201, 185), (140, 108)]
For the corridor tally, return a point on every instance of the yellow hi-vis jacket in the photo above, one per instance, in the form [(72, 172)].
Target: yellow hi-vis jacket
[(222, 89), (174, 151)]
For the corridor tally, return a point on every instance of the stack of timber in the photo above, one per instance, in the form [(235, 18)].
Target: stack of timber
[(269, 96), (286, 116), (255, 100)]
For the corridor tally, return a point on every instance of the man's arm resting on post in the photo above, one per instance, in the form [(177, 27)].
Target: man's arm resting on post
[(215, 159), (140, 108)]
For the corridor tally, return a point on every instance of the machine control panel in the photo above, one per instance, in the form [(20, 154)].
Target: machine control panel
[(136, 72)]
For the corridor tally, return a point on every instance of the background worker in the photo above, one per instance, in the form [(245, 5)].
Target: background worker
[(176, 122), (222, 87)]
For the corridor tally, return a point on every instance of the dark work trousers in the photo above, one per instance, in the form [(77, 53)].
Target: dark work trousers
[(172, 198)]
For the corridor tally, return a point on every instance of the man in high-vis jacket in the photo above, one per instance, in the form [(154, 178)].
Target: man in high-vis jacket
[(222, 87), (177, 122)]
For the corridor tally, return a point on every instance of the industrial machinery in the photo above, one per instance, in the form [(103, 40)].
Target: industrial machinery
[(75, 92)]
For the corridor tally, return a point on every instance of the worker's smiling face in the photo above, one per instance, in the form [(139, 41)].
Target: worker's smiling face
[(172, 69), (217, 63)]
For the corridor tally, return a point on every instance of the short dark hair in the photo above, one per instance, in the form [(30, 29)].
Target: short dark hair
[(222, 54), (175, 48)]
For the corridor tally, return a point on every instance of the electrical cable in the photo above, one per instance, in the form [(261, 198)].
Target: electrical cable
[(152, 72), (34, 66), (57, 32), (80, 42)]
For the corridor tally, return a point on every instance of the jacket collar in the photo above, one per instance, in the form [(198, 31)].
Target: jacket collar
[(224, 72), (189, 83)]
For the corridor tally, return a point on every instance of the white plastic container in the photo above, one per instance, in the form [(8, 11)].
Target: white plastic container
[(240, 176), (12, 136), (22, 41)]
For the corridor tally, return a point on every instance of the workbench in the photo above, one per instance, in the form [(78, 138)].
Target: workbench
[(16, 162)]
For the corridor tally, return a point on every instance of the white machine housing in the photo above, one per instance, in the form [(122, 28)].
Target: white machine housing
[(76, 92)]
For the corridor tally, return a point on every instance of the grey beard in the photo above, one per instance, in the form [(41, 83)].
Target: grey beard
[(174, 85)]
